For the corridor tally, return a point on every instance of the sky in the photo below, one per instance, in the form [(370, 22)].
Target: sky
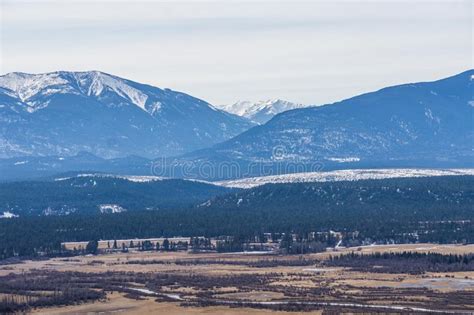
[(310, 52)]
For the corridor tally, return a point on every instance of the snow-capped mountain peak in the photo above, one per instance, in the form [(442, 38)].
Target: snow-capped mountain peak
[(261, 111), (89, 83), (95, 82), (65, 113), (25, 85), (426, 122)]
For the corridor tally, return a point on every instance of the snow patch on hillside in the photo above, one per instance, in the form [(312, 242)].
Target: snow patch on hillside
[(344, 159), (342, 175), (8, 215), (131, 178), (111, 208)]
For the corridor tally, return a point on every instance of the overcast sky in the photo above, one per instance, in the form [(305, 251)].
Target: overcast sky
[(223, 51)]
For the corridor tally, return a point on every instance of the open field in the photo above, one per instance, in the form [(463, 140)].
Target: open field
[(117, 303), (120, 243), (211, 283)]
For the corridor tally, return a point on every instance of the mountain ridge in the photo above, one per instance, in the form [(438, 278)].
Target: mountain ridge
[(63, 113), (260, 111), (370, 125), (414, 125)]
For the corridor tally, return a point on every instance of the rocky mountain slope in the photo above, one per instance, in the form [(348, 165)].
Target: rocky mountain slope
[(63, 113), (261, 111), (420, 124)]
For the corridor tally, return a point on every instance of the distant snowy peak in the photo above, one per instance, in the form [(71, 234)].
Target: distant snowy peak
[(30, 87), (95, 82), (33, 90), (24, 85), (261, 111)]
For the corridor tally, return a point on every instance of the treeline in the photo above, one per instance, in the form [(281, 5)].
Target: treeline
[(92, 247), (384, 211), (404, 262), (15, 300)]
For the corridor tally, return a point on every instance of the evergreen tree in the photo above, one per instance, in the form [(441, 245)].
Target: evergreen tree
[(166, 244), (92, 247)]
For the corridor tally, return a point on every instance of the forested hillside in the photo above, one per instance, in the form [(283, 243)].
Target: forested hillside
[(438, 209), (96, 194)]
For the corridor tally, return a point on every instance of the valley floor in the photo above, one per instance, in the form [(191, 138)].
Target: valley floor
[(118, 304), (211, 283)]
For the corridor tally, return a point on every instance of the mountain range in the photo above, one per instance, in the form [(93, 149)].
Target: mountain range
[(262, 111), (428, 124), (91, 121), (64, 113)]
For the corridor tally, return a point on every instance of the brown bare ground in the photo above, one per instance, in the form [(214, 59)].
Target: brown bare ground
[(118, 304), (287, 281)]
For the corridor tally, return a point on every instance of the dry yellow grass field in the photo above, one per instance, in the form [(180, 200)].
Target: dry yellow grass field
[(118, 304), (233, 279)]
